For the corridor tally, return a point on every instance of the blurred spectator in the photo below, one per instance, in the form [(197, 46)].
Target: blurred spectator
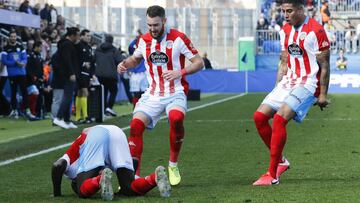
[(330, 33), (125, 78), (46, 47), (69, 65), (207, 63), (107, 57), (54, 36), (53, 15), (57, 83), (25, 7), (4, 103), (263, 23), (86, 72), (311, 6), (350, 38), (15, 59), (45, 13), (341, 61), (35, 80), (325, 12), (138, 80), (36, 9)]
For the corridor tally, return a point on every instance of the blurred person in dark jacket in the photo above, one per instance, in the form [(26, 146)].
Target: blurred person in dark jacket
[(57, 83), (106, 59), (35, 79), (86, 72), (68, 59), (15, 59)]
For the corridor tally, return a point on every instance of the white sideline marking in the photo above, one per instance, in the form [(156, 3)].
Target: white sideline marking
[(7, 162)]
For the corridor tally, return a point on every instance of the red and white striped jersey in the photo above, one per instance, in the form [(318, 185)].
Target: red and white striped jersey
[(302, 45), (167, 54)]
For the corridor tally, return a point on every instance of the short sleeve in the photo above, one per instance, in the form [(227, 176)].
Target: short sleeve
[(187, 48), (322, 40), (138, 53)]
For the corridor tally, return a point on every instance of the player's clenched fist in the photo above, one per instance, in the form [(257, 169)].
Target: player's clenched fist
[(121, 68)]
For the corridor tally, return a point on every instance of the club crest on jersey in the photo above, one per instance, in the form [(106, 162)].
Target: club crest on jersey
[(169, 44), (302, 35), (158, 58), (295, 50)]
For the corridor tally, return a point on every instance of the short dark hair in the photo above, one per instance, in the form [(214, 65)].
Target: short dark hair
[(109, 38), (294, 2), (70, 31), (84, 31), (154, 11), (12, 32)]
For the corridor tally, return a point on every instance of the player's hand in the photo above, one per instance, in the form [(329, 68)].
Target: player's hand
[(121, 68), (322, 102), (171, 75)]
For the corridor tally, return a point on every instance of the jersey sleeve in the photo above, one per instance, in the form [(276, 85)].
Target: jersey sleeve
[(74, 150), (187, 48), (140, 46), (282, 39), (322, 40)]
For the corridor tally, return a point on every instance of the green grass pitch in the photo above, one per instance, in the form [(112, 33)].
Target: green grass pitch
[(222, 156)]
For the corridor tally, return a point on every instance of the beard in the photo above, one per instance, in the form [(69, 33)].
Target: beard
[(158, 35)]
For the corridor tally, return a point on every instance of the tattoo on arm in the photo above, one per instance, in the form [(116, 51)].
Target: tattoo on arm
[(323, 60), (282, 69)]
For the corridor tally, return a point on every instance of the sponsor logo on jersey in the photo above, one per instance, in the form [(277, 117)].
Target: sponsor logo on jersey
[(295, 50), (158, 58)]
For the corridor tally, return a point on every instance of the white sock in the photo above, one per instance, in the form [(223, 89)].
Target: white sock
[(172, 164)]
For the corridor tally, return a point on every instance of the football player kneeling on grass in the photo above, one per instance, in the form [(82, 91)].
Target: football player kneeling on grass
[(91, 159)]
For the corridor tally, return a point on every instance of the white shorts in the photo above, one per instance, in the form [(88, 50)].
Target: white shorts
[(138, 82), (154, 106), (105, 145), (299, 99)]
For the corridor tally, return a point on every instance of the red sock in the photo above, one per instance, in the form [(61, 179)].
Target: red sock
[(90, 186), (263, 127), (135, 100), (177, 133), (278, 140), (135, 140), (144, 185), (32, 103)]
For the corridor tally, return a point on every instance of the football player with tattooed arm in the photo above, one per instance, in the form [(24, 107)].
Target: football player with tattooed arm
[(164, 51), (302, 80)]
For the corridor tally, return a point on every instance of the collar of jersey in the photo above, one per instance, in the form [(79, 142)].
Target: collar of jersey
[(305, 22)]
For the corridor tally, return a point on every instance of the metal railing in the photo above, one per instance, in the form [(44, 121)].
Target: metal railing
[(344, 5), (268, 41)]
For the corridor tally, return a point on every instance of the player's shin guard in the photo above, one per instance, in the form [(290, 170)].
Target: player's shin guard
[(278, 140), (177, 133), (135, 140), (90, 186), (144, 185), (263, 127)]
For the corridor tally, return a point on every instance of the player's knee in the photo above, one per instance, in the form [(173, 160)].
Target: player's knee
[(260, 118), (176, 118), (137, 128)]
